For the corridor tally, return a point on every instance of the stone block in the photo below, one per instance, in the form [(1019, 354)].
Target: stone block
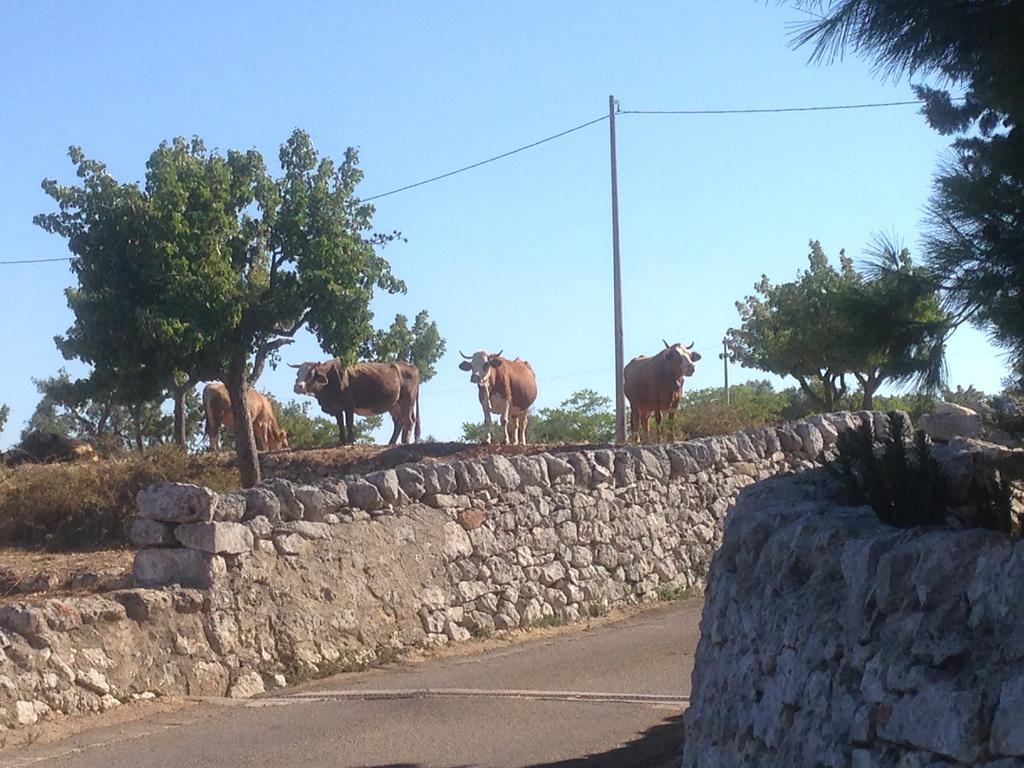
[(152, 533), (365, 496), (215, 538), (386, 483), (177, 503), (501, 472), (188, 567)]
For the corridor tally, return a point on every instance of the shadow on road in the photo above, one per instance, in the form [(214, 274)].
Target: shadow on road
[(659, 746)]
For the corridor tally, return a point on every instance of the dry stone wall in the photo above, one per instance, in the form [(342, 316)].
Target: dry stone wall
[(235, 593), (829, 639)]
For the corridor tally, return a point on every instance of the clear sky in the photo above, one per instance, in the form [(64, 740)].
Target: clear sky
[(515, 255)]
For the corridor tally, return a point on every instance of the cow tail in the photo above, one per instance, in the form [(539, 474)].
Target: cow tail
[(418, 417)]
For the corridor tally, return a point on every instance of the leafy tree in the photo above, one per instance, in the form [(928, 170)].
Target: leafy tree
[(755, 402), (306, 431), (585, 417), (4, 413), (976, 237), (832, 323), (230, 263), (76, 409), (420, 345)]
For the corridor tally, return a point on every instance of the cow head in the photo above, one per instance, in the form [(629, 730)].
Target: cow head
[(278, 439), (481, 364), (310, 378), (679, 360)]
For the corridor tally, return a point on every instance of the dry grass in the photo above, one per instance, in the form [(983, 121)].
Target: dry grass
[(88, 505)]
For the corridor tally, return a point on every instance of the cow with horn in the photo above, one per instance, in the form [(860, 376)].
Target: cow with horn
[(655, 384), (365, 389), (505, 387)]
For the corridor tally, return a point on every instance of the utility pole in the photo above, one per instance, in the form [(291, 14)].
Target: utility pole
[(725, 364), (620, 399)]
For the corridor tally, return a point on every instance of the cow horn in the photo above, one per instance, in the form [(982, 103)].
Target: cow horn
[(667, 345), (468, 357), (499, 353), (691, 345), (293, 365)]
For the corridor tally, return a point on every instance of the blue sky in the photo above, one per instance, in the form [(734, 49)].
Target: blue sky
[(515, 255)]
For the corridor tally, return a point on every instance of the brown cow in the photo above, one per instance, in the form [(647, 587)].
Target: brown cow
[(506, 387), (655, 384), (366, 389), (217, 404)]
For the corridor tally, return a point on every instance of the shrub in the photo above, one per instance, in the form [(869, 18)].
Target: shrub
[(90, 505), (904, 484)]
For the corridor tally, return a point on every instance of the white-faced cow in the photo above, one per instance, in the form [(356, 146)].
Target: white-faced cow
[(506, 387), (217, 405), (655, 384), (366, 389)]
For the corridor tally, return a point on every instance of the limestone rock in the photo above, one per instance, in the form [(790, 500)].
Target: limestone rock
[(177, 503), (215, 538)]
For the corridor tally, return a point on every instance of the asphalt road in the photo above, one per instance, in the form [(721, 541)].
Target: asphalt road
[(607, 697)]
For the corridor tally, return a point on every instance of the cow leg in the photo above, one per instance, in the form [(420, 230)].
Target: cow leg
[(523, 417), (396, 418), (504, 423), (487, 426), (341, 428), (350, 426)]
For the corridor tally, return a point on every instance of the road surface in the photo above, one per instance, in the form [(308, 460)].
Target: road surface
[(608, 697)]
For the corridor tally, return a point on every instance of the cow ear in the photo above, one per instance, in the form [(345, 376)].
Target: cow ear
[(465, 366), (494, 362), (694, 357)]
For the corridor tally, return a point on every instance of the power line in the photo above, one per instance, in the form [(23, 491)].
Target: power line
[(488, 160), (39, 261), (768, 110), (560, 134)]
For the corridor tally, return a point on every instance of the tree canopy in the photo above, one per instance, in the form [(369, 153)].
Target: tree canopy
[(420, 345), (973, 52), (76, 409), (4, 413), (830, 324), (207, 270)]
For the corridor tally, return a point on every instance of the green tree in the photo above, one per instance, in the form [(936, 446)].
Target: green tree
[(306, 431), (76, 409), (754, 402), (976, 234), (231, 264), (832, 323), (4, 413), (420, 345)]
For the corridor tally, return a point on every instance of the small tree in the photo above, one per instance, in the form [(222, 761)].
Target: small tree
[(829, 324), (75, 409), (4, 413), (420, 345), (228, 264)]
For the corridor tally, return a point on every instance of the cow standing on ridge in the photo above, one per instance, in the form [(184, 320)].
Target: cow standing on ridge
[(366, 389), (505, 387), (655, 384), (217, 406)]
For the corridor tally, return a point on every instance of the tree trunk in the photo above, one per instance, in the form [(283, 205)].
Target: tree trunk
[(178, 395), (870, 385), (245, 440), (140, 445)]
